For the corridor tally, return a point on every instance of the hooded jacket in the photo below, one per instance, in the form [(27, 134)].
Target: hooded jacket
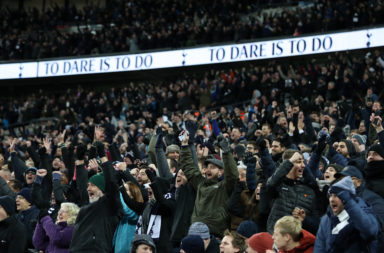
[(353, 159), (307, 243)]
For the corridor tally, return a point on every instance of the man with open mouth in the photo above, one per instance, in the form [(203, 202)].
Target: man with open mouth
[(349, 224), (294, 194)]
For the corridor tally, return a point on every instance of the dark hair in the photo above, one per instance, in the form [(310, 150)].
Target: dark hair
[(16, 184)]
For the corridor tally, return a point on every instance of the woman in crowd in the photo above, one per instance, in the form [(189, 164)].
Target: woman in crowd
[(51, 237)]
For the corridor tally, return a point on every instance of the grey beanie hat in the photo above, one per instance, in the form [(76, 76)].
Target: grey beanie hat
[(142, 239), (361, 139), (200, 229), (345, 184)]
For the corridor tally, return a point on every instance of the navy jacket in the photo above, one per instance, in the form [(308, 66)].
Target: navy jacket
[(362, 233)]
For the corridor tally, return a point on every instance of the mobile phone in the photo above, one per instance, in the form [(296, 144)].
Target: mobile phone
[(377, 113), (183, 136)]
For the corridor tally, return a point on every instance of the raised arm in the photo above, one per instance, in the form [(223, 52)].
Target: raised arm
[(188, 166)]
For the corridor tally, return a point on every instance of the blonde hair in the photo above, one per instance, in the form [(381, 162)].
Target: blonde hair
[(73, 211), (290, 225)]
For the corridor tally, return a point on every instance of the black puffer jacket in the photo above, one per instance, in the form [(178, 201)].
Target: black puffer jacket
[(289, 194)]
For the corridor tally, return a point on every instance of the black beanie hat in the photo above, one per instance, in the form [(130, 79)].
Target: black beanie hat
[(378, 149), (8, 204), (350, 147)]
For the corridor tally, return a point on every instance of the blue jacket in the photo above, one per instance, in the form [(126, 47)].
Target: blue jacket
[(377, 203), (362, 229), (126, 230)]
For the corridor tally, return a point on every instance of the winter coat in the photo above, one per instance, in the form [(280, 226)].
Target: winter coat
[(126, 230), (52, 238), (96, 222), (307, 242), (213, 246), (377, 204), (290, 194), (374, 177), (185, 201), (211, 194), (13, 236), (29, 218), (359, 234)]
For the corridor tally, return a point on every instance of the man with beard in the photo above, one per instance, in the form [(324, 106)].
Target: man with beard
[(211, 193), (96, 223), (277, 150)]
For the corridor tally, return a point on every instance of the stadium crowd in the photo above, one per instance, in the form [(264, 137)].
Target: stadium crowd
[(129, 26), (295, 166)]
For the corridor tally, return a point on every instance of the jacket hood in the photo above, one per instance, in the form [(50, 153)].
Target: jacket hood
[(307, 243)]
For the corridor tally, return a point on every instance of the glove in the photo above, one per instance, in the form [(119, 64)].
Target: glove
[(151, 174), (100, 148), (159, 131), (43, 213), (241, 186), (261, 143), (224, 144), (92, 153), (42, 151), (321, 145), (159, 138), (336, 135), (343, 194), (249, 158), (80, 151), (192, 128), (199, 140)]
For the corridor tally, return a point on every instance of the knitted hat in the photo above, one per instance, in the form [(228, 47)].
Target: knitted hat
[(350, 171), (336, 166), (8, 204), (192, 244), (200, 229), (361, 139), (26, 193), (378, 149), (142, 239), (98, 180), (345, 184), (261, 242), (247, 228), (172, 148), (350, 147)]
